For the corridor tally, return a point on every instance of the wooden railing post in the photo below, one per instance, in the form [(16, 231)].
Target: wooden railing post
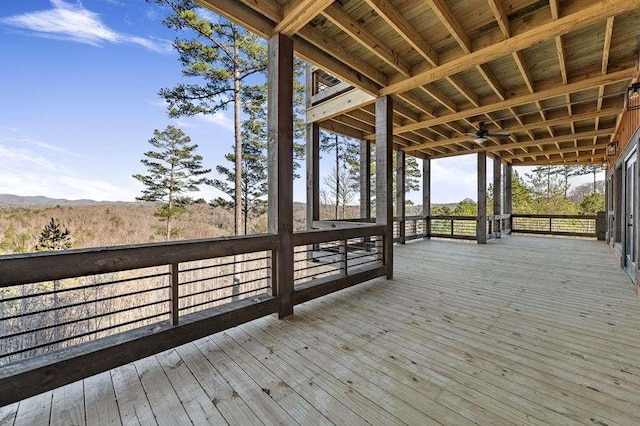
[(174, 294), (384, 172), (481, 222), (343, 257), (280, 165), (601, 226), (426, 194)]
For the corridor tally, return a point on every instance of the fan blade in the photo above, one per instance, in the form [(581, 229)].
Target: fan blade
[(498, 135)]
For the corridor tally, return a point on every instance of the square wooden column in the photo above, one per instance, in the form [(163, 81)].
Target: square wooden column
[(365, 180), (508, 192), (497, 194), (384, 175), (636, 215), (280, 170), (481, 225), (400, 195), (426, 194)]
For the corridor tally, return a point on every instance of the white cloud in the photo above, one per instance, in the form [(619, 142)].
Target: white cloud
[(73, 22), (218, 119), (27, 172)]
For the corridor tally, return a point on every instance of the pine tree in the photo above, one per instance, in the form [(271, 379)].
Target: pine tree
[(173, 170), (254, 162), (591, 169), (53, 238), (221, 56)]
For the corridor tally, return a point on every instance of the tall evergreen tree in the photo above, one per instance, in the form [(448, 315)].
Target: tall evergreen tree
[(254, 161), (591, 169), (172, 171), (220, 56)]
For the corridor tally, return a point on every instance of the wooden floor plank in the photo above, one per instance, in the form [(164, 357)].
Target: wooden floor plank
[(8, 414), (330, 406), (35, 410), (67, 405), (233, 409), (100, 402), (523, 330), (164, 401), (200, 409), (279, 390), (133, 403)]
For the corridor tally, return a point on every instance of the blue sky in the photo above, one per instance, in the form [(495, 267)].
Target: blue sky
[(79, 103)]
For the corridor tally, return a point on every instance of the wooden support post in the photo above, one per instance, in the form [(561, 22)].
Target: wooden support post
[(174, 295), (636, 215), (497, 195), (280, 162), (313, 159), (384, 178), (426, 195), (365, 180), (400, 196), (508, 193), (481, 226), (343, 257)]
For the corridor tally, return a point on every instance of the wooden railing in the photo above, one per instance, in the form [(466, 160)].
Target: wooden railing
[(68, 315), (557, 224)]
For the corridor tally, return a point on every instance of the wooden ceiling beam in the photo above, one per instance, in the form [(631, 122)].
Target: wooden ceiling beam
[(345, 102), (551, 92), (597, 158), (557, 151), (399, 23), (440, 97), (493, 82), (607, 44), (524, 144), (358, 32), (298, 13), (259, 18), (317, 38), (571, 22), (417, 103), (449, 141), (501, 17), (451, 23), (464, 89)]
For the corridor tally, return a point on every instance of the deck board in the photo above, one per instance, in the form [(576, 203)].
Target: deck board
[(523, 330)]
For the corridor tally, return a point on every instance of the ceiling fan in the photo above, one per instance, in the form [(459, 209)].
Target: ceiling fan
[(480, 136)]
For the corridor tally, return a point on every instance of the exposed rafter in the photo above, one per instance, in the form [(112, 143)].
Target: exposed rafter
[(297, 13)]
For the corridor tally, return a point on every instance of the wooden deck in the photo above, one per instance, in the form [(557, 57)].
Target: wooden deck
[(523, 330)]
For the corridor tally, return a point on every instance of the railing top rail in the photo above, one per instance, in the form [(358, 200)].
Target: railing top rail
[(317, 236), (28, 268), (555, 216), (451, 217)]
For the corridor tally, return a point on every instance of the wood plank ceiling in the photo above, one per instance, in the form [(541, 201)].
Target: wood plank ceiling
[(550, 74)]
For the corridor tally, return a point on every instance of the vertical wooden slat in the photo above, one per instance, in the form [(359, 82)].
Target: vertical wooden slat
[(426, 194), (175, 298), (365, 180), (497, 195), (400, 195), (481, 227), (280, 161), (384, 170), (343, 258)]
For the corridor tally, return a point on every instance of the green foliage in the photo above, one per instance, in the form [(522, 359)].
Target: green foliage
[(441, 211), (53, 237), (174, 169), (592, 204), (466, 207)]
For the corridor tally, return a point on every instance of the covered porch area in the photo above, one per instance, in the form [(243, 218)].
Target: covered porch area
[(526, 330)]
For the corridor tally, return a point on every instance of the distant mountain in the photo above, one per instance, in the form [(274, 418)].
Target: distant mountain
[(9, 200)]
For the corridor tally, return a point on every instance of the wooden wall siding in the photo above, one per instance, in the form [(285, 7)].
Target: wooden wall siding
[(629, 124), (450, 64)]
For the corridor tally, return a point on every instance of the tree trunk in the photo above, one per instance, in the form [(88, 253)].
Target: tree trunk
[(566, 182), (337, 176), (237, 131), (594, 180), (170, 205)]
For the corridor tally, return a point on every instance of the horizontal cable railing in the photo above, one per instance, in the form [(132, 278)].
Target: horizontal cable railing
[(56, 300), (561, 225), (335, 258), (455, 227)]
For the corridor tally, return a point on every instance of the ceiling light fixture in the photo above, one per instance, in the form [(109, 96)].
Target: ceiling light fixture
[(633, 94)]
